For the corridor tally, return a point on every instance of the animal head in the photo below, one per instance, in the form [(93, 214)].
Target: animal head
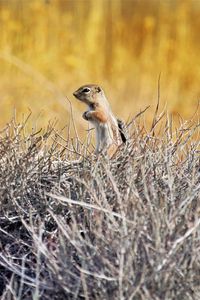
[(89, 94)]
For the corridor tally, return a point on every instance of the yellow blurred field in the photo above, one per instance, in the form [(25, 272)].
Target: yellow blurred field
[(49, 48)]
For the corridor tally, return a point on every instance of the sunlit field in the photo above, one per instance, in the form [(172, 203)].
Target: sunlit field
[(50, 48)]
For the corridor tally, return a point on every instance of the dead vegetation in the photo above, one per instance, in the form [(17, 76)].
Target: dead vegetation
[(78, 227)]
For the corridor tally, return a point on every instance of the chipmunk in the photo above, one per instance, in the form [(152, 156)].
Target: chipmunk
[(109, 130)]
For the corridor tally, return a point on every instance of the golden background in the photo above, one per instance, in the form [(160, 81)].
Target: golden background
[(50, 48)]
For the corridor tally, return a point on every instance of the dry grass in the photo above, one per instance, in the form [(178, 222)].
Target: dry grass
[(78, 227)]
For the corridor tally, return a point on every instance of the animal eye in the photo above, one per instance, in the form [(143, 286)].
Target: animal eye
[(86, 90)]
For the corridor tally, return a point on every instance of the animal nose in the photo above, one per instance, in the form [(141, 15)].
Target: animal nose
[(75, 94)]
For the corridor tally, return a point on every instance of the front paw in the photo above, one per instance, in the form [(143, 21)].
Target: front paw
[(86, 115)]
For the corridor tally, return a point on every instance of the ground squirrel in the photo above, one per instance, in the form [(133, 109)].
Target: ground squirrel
[(109, 130)]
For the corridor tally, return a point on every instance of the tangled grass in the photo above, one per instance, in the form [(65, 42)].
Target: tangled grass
[(76, 226)]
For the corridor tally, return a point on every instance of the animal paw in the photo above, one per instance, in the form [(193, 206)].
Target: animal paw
[(86, 115)]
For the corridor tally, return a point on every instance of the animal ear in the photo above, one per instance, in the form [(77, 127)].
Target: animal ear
[(98, 89)]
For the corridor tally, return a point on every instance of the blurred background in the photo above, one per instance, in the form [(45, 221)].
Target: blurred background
[(49, 48)]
